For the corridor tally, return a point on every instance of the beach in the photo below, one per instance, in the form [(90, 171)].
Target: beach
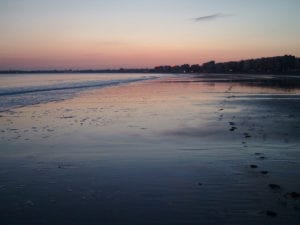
[(159, 149)]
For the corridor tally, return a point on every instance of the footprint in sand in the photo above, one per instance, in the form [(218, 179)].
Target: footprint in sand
[(233, 128), (262, 157), (264, 172), (247, 135)]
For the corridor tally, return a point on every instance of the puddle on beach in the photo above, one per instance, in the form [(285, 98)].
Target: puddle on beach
[(167, 151)]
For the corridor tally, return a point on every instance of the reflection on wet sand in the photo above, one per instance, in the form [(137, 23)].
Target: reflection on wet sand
[(175, 150)]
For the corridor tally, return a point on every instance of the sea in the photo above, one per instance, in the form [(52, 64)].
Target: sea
[(19, 90)]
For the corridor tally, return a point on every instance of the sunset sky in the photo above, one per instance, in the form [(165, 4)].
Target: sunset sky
[(61, 34)]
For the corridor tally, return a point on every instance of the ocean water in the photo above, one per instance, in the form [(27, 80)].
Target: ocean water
[(17, 90)]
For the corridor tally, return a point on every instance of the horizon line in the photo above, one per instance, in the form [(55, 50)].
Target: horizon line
[(131, 68)]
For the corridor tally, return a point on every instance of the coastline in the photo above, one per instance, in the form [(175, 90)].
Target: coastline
[(280, 65)]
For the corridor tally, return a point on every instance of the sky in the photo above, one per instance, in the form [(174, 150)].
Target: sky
[(110, 34)]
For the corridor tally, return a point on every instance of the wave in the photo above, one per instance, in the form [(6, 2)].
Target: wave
[(67, 86), (16, 97)]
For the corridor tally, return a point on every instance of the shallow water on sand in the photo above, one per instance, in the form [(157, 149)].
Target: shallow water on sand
[(175, 150), (17, 90)]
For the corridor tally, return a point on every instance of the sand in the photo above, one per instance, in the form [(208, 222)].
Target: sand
[(179, 150)]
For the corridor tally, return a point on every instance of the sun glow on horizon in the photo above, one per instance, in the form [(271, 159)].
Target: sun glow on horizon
[(108, 35)]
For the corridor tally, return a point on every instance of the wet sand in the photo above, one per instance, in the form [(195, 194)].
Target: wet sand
[(180, 150)]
